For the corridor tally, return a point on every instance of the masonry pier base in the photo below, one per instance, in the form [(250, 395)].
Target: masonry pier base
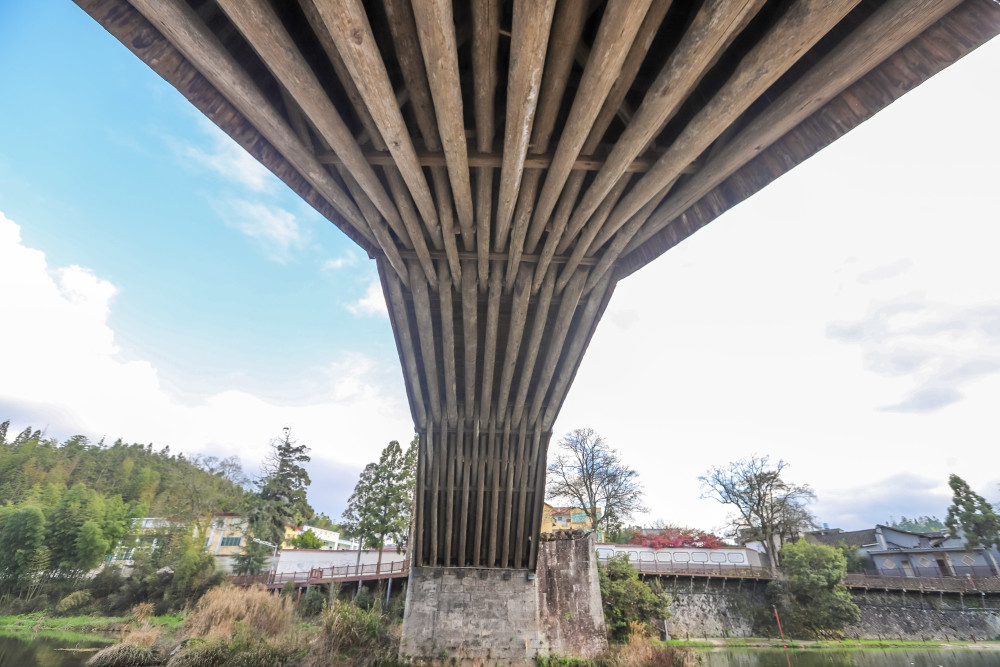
[(490, 616)]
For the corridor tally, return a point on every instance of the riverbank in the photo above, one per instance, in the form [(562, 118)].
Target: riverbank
[(79, 628), (846, 644)]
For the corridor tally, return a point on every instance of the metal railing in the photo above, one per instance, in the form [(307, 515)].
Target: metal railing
[(388, 570), (983, 582), (699, 569)]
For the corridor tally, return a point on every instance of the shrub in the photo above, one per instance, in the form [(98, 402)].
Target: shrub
[(242, 650), (313, 603), (74, 600), (353, 635), (221, 608), (627, 599), (124, 655)]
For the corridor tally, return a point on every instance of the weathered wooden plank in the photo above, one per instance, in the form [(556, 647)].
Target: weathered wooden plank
[(186, 31), (536, 499), (518, 318), (620, 241), (523, 454), (490, 345), (567, 27), (617, 31), (498, 442), (411, 222), (425, 334), (392, 288), (464, 472), (436, 29), (480, 454), (347, 22), (574, 352), (886, 31), (529, 39), (498, 256), (560, 327), (470, 339), (798, 29), (428, 158), (434, 486), (445, 294), (712, 26), (534, 344)]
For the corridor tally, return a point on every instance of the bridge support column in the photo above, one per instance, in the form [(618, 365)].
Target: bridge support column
[(508, 616)]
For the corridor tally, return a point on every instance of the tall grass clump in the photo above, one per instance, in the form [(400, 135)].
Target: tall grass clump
[(124, 655), (353, 635), (220, 610)]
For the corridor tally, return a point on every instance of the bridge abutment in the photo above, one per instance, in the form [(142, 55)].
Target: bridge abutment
[(507, 616)]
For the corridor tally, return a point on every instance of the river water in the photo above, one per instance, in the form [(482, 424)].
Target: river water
[(45, 652), (856, 658)]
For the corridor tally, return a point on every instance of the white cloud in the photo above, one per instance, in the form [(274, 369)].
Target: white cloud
[(372, 303), (63, 369), (274, 229), (229, 160)]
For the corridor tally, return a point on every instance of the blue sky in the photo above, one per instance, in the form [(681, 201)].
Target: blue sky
[(158, 284)]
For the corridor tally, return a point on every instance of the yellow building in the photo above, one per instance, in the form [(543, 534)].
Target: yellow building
[(225, 534), (566, 518)]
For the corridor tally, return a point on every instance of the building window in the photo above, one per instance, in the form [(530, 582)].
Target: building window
[(230, 541)]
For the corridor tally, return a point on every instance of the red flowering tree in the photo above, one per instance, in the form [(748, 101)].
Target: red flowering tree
[(676, 536)]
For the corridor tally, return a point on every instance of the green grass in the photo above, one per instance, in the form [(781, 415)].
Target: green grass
[(27, 634), (40, 622)]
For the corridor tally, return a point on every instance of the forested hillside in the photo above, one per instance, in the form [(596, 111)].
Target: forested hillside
[(64, 506)]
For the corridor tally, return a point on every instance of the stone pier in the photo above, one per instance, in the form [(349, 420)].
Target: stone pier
[(490, 616)]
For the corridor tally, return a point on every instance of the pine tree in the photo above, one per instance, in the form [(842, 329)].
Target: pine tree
[(974, 517), (281, 497), (381, 506)]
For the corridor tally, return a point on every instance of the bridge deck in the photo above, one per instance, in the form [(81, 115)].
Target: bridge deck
[(326, 575), (507, 162)]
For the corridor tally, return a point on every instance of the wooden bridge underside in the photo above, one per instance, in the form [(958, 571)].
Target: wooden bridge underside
[(506, 163)]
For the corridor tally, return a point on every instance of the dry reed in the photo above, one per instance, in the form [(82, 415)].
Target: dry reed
[(222, 608)]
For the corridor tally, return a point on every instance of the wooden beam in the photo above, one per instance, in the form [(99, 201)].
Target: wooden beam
[(485, 44), (185, 30), (425, 334), (397, 306), (885, 32), (498, 256), (560, 327), (541, 315), (798, 29), (257, 22), (617, 31), (622, 238), (428, 158), (712, 26), (470, 337), (490, 345), (436, 29), (529, 39), (518, 318), (568, 23), (347, 23), (574, 352), (445, 293)]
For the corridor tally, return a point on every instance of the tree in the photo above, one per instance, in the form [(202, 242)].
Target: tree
[(973, 518), (590, 474), (22, 537), (252, 558), (810, 594), (769, 509), (627, 599), (306, 540), (665, 536), (919, 524), (281, 496), (381, 506)]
